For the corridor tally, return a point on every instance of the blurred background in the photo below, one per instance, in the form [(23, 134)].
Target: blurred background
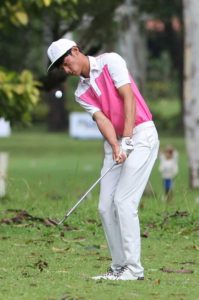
[(148, 34), (157, 38)]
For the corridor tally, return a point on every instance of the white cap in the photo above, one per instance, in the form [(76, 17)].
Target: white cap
[(57, 49)]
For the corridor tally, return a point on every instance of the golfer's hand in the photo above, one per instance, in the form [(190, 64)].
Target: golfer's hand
[(118, 156), (126, 146)]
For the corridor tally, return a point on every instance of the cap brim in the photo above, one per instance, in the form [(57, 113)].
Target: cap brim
[(52, 66)]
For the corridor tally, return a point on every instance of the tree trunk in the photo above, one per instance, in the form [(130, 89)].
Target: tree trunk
[(191, 87), (131, 44), (58, 116)]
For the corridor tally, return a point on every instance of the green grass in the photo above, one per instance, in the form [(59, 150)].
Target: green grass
[(47, 175)]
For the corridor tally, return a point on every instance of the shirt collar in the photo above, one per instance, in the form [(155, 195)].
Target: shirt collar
[(93, 67)]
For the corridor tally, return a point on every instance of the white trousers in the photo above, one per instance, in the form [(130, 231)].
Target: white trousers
[(120, 194)]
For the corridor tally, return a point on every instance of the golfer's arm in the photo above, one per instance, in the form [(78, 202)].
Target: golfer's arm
[(126, 94), (106, 128)]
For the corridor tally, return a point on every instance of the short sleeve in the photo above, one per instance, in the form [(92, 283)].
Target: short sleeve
[(118, 69), (87, 107)]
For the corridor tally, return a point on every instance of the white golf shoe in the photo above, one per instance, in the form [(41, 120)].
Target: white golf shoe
[(122, 274), (109, 275), (127, 274)]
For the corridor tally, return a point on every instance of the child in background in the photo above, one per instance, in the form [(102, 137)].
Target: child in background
[(169, 169)]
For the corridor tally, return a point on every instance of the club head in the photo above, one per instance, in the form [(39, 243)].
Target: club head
[(62, 221)]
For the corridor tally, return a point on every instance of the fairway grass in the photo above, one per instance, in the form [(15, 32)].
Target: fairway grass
[(48, 173)]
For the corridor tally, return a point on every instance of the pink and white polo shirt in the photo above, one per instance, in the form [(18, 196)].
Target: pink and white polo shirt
[(99, 92)]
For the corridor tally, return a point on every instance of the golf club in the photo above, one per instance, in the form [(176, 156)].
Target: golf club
[(83, 197)]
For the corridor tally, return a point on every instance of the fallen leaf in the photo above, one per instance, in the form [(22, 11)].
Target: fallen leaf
[(61, 234), (50, 222), (33, 284), (151, 225), (41, 265), (25, 274), (32, 254), (80, 239), (181, 271), (19, 245), (188, 263), (21, 225), (185, 231), (60, 250), (5, 237), (61, 271), (35, 241), (91, 221), (103, 246), (179, 214), (145, 234), (104, 258), (157, 282), (196, 247)]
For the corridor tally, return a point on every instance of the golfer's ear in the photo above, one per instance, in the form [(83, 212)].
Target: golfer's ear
[(75, 50)]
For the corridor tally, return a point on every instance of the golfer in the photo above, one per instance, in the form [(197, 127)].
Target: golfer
[(107, 91)]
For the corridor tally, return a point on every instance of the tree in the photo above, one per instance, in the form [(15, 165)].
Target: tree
[(171, 39), (56, 18), (92, 23), (191, 87), (19, 92), (131, 40)]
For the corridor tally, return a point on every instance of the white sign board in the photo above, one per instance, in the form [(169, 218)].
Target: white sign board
[(82, 126), (5, 129)]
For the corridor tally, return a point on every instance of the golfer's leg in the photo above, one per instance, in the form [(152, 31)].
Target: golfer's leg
[(133, 179), (107, 209)]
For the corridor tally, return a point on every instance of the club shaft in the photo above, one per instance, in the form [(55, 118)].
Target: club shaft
[(83, 197)]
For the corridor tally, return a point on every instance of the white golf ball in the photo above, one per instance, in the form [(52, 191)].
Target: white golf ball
[(58, 94)]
